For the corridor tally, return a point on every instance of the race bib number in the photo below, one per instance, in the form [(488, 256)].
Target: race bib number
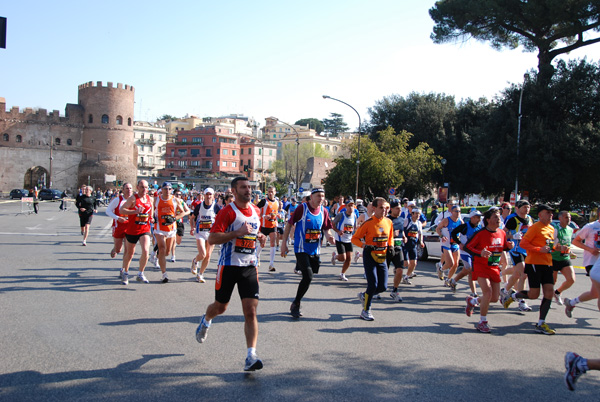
[(245, 244), (494, 259), (380, 243), (167, 219), (204, 226), (141, 219), (413, 233), (348, 229), (397, 242), (312, 236)]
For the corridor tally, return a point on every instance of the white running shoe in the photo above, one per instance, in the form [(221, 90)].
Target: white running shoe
[(124, 278), (200, 278), (194, 268), (558, 299), (523, 306), (366, 315), (141, 278), (396, 296), (440, 273), (333, 255), (356, 256), (165, 278), (405, 280), (173, 258), (343, 277), (253, 363)]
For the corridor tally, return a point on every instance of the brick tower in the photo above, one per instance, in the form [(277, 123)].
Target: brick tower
[(107, 140)]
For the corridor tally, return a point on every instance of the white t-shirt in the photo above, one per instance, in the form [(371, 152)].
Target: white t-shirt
[(590, 234)]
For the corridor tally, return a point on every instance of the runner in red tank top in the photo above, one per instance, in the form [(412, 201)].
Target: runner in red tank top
[(139, 209), (120, 222)]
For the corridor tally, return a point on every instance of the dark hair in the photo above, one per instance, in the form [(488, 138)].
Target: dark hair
[(235, 181), (488, 214)]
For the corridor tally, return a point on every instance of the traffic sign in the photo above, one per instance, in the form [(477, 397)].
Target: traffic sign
[(392, 191), (301, 189)]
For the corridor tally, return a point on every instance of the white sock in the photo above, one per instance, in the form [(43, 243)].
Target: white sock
[(272, 255), (540, 322), (574, 301), (251, 352), (482, 318)]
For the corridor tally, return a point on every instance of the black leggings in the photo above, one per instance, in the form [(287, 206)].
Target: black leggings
[(303, 263)]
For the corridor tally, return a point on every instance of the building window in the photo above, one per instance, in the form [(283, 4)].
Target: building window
[(249, 163), (184, 140), (249, 151), (270, 152), (119, 120), (57, 141), (104, 119), (195, 152), (225, 163), (260, 151), (181, 152), (208, 152), (172, 153), (69, 141), (270, 164), (218, 163), (260, 164), (90, 119), (197, 140), (181, 164), (19, 138), (129, 121), (234, 152), (225, 152), (234, 164), (242, 151), (5, 137), (214, 139), (274, 135), (218, 151)]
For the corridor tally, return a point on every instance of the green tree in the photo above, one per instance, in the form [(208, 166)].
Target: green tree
[(335, 124), (550, 27), (286, 168), (313, 123), (385, 163), (166, 117)]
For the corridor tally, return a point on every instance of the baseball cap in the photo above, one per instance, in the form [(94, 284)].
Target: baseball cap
[(209, 190), (359, 201), (544, 207), (317, 190), (349, 201), (475, 213), (167, 184)]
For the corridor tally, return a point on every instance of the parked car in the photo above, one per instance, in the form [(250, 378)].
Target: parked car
[(48, 194), (431, 239), (573, 225), (18, 193)]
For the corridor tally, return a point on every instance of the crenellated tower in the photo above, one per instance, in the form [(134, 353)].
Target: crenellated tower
[(107, 138)]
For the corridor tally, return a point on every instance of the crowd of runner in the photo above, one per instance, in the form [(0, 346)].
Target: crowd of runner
[(506, 254)]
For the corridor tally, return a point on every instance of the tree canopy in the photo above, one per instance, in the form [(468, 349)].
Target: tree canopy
[(313, 123), (335, 124), (550, 27)]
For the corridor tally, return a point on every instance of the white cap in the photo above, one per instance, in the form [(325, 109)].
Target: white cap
[(209, 190)]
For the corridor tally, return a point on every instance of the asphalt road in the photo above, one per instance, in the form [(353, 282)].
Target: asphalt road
[(70, 331)]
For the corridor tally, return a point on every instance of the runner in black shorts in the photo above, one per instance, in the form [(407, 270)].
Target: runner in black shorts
[(244, 277), (133, 239)]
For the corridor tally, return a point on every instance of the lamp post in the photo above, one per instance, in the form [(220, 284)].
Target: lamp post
[(443, 162), (297, 151), (359, 134), (525, 78)]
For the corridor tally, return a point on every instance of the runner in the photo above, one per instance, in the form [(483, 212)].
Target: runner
[(412, 238), (486, 246), (237, 229), (344, 226), (139, 208), (588, 239), (119, 221), (516, 226), (290, 212), (561, 260), (85, 204), (269, 207), (281, 218), (168, 211), (398, 257), (180, 226), (450, 249), (505, 269), (376, 237), (309, 219), (461, 235), (201, 222), (539, 243)]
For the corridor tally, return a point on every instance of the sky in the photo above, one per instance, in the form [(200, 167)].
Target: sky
[(257, 58)]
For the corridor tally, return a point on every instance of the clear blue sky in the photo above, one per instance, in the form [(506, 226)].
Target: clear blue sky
[(258, 58)]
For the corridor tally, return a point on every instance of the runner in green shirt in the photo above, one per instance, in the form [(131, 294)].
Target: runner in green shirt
[(561, 258)]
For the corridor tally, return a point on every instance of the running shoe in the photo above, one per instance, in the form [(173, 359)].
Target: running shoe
[(361, 297), (568, 308), (544, 329), (523, 306), (452, 285), (405, 280), (173, 258), (508, 301), (121, 273), (440, 273), (124, 278), (572, 363), (333, 258), (165, 278), (295, 310), (484, 327), (157, 264), (366, 315), (277, 249), (475, 295), (152, 257), (202, 330), (113, 253), (194, 268), (470, 305), (200, 278), (503, 296), (297, 272), (253, 363), (377, 297), (356, 256), (396, 296), (83, 243), (558, 299), (141, 278), (343, 277), (413, 275), (272, 269)]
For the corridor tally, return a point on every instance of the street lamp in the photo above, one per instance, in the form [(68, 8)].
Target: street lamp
[(443, 162), (297, 150), (359, 133), (525, 78)]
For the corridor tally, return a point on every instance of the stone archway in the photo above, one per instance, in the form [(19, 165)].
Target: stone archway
[(35, 176)]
